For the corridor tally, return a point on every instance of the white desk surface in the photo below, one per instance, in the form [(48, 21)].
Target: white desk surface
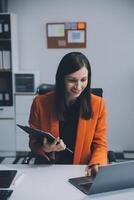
[(50, 182)]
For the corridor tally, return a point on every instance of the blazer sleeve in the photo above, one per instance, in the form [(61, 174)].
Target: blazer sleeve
[(99, 144), (34, 122)]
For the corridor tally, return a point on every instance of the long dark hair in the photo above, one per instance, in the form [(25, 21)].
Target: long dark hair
[(71, 63)]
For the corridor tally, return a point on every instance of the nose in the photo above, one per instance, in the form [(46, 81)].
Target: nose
[(78, 85)]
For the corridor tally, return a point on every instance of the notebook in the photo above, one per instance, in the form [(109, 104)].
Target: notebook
[(6, 178), (111, 177)]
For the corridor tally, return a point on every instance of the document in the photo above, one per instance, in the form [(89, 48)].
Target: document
[(40, 134), (56, 30)]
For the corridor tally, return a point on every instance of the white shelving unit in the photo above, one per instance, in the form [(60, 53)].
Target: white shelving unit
[(8, 55)]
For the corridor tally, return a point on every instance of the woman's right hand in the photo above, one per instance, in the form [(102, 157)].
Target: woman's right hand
[(57, 145)]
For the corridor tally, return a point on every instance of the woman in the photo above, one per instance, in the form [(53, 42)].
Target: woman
[(73, 115)]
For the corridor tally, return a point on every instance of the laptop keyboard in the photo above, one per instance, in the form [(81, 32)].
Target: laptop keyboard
[(5, 194), (85, 180), (86, 186)]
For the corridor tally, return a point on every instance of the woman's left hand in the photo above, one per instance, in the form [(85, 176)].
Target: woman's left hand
[(92, 170)]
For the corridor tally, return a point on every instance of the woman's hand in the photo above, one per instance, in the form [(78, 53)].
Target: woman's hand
[(92, 170), (57, 145)]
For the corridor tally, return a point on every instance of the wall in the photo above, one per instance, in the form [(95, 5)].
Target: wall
[(110, 47)]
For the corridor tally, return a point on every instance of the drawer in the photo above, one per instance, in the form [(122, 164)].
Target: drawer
[(7, 112)]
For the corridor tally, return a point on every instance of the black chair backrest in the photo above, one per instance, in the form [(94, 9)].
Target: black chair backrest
[(44, 88), (97, 91)]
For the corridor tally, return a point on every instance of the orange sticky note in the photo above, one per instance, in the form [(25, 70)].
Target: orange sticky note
[(81, 25)]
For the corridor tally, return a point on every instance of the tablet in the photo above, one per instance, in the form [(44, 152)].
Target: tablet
[(6, 178)]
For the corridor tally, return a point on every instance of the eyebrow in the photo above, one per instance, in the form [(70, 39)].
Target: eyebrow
[(70, 77)]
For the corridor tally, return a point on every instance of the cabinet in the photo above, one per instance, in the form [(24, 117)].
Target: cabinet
[(8, 64), (7, 137), (23, 104)]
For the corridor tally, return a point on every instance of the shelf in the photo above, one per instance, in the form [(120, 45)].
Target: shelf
[(5, 29), (5, 70), (8, 64)]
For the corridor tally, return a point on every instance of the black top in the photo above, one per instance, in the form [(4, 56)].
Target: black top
[(68, 129)]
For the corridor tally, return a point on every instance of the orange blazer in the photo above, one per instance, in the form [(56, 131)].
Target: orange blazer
[(91, 145)]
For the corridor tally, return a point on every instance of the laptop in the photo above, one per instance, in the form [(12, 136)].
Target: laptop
[(5, 194), (111, 177), (6, 178)]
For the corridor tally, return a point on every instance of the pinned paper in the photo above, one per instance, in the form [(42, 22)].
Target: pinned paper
[(56, 30), (81, 25)]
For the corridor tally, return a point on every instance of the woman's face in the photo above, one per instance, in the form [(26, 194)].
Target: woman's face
[(75, 83)]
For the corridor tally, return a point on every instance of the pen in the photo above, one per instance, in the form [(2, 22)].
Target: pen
[(66, 148), (69, 150)]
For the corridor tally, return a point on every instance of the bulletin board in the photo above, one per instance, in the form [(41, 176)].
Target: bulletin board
[(66, 35)]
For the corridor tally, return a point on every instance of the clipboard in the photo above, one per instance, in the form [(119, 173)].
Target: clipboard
[(40, 134)]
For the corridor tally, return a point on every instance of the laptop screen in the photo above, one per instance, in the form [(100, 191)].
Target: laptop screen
[(111, 177)]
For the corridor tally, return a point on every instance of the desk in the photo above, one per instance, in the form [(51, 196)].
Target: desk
[(50, 182)]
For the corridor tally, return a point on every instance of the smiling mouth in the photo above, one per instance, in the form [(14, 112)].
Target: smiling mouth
[(76, 92)]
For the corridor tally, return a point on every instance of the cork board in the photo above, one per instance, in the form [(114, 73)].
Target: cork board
[(66, 35)]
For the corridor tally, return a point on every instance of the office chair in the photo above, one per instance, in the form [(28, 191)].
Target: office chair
[(44, 88)]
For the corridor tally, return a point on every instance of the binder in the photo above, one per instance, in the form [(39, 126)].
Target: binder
[(1, 60), (0, 28), (6, 60)]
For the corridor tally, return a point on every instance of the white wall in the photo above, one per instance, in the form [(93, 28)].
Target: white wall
[(110, 47)]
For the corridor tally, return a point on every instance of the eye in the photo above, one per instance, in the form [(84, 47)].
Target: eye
[(84, 79), (71, 80)]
